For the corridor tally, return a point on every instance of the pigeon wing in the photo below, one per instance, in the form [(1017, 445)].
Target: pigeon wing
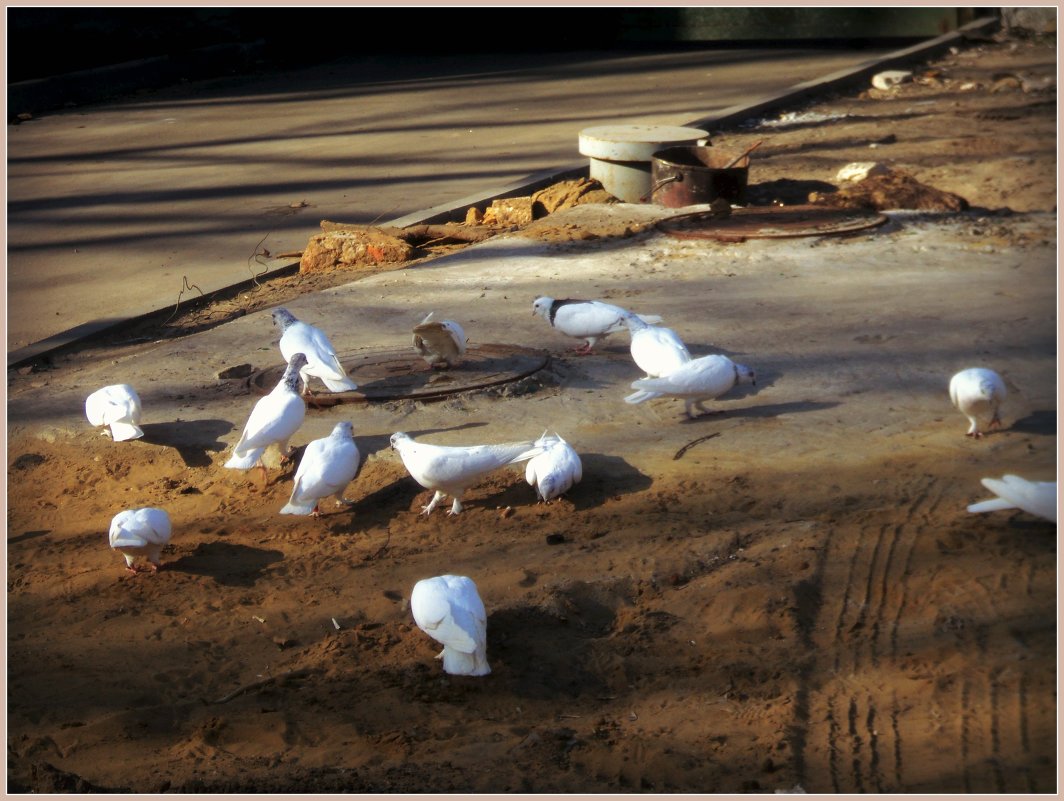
[(275, 418), (1034, 497), (437, 342), (706, 377)]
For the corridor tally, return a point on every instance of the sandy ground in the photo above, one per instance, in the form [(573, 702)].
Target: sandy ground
[(799, 598)]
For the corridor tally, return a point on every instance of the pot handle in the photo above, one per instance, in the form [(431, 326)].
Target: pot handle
[(660, 184)]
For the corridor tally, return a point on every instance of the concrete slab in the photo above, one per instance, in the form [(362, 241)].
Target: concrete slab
[(120, 209)]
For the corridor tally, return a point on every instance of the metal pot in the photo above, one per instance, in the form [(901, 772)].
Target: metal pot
[(687, 176)]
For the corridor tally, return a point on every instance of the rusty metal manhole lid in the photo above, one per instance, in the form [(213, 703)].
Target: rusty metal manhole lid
[(770, 222), (384, 374)]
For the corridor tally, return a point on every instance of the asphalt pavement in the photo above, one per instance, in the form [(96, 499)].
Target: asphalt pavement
[(120, 208)]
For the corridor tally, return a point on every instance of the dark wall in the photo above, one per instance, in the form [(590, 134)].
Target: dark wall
[(51, 41)]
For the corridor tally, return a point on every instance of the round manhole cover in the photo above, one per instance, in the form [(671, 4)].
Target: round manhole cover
[(389, 374), (770, 222)]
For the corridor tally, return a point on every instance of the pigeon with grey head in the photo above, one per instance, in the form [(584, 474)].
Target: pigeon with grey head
[(273, 421), (300, 337)]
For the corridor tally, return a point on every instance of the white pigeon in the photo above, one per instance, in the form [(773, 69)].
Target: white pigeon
[(698, 380), (441, 343), (451, 470), (328, 465), (300, 337), (978, 393), (448, 609), (1038, 498), (118, 407), (273, 421), (589, 320), (556, 470), (656, 350), (140, 532)]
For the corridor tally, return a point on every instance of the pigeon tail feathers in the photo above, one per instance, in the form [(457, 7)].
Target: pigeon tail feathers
[(344, 385), (462, 664), (641, 395), (297, 508), (245, 461), (120, 432), (993, 505)]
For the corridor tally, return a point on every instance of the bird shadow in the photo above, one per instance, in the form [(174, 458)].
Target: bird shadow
[(1042, 421), (376, 509), (192, 439), (605, 477), (767, 410), (230, 564), (28, 535)]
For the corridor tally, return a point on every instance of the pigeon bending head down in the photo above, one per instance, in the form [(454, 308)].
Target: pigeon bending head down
[(328, 465), (451, 470), (656, 350), (441, 343), (449, 609), (118, 408), (587, 320), (322, 362), (1038, 498), (273, 421), (140, 532), (978, 393), (555, 471), (695, 381)]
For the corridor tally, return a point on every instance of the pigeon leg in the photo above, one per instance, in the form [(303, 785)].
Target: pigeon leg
[(315, 512), (439, 496), (698, 405), (456, 507), (153, 567), (995, 421), (132, 569), (582, 350)]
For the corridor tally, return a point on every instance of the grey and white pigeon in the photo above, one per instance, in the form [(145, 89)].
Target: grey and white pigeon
[(656, 350), (589, 320), (978, 393), (300, 337), (1038, 498), (441, 343), (555, 471), (451, 470), (140, 532), (449, 609), (118, 408), (698, 380), (273, 421), (328, 465)]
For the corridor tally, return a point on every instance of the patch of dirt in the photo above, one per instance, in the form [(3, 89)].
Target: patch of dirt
[(716, 620)]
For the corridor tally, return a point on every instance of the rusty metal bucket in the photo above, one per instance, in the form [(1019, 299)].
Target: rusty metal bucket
[(687, 176)]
